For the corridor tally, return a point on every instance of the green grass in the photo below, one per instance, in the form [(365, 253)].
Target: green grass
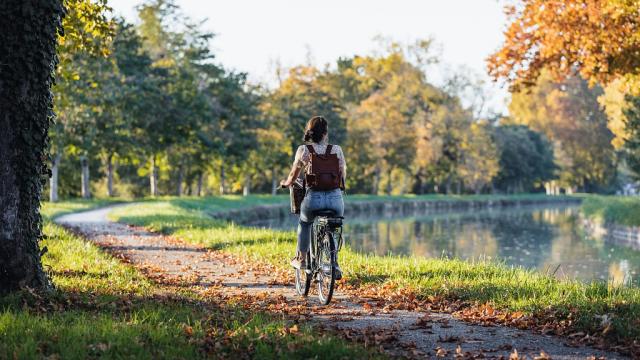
[(623, 210), (102, 307), (213, 204), (514, 289)]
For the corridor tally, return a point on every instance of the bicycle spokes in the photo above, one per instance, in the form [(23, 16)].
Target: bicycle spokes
[(326, 240)]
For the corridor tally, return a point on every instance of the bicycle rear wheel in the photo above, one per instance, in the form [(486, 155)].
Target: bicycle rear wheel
[(303, 279), (326, 275)]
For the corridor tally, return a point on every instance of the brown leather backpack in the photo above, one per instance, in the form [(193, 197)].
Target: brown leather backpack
[(324, 172)]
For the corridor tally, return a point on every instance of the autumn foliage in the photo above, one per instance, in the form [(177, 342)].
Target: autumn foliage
[(600, 39)]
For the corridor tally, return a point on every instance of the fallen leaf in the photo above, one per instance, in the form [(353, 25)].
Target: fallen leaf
[(543, 356), (440, 352), (188, 330)]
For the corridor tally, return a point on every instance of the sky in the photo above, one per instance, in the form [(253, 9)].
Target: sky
[(252, 35)]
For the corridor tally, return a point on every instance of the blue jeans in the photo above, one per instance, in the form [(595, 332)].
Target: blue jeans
[(313, 201)]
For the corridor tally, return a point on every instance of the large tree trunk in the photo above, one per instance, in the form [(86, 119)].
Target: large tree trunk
[(222, 179), (27, 54), (53, 182), (110, 171), (86, 191), (153, 176)]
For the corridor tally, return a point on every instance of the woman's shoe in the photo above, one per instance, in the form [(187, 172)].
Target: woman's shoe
[(299, 262)]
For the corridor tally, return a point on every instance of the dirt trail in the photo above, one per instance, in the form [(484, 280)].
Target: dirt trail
[(415, 334)]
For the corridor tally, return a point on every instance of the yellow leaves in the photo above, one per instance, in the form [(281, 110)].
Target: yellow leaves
[(480, 157), (75, 77), (598, 39), (517, 315), (614, 104), (87, 28)]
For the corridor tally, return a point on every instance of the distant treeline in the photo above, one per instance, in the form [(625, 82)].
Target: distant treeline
[(156, 115)]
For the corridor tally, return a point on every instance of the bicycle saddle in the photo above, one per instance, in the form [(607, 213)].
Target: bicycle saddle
[(325, 213)]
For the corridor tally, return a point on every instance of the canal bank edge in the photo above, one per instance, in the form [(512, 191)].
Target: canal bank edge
[(395, 206), (611, 232)]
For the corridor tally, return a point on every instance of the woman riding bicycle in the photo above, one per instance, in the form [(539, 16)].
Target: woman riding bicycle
[(316, 137)]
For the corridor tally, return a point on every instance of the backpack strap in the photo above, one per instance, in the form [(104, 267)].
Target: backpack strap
[(328, 149), (311, 149)]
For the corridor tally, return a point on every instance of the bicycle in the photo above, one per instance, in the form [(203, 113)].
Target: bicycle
[(326, 241)]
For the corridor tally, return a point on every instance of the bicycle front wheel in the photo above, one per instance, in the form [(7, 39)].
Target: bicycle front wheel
[(326, 275), (303, 279)]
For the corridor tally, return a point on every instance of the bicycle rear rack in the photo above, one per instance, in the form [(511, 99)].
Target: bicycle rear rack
[(331, 222)]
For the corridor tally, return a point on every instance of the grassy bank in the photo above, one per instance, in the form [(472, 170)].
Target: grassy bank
[(623, 210), (235, 202), (440, 197), (580, 306), (102, 307)]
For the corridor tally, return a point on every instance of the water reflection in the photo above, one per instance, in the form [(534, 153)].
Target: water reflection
[(550, 239)]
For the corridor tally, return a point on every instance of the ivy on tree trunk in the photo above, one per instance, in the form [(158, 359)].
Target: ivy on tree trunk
[(28, 33)]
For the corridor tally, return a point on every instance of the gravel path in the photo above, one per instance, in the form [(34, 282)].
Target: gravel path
[(413, 334)]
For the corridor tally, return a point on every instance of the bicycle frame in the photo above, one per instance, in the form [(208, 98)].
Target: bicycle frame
[(322, 253), (320, 227)]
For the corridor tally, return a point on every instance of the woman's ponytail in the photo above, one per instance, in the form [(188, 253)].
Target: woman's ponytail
[(308, 135), (316, 129)]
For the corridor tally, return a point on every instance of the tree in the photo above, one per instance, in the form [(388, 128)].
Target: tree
[(617, 100), (300, 96), (390, 134), (118, 85), (389, 105), (87, 35), (632, 145), (568, 114), (526, 158), (27, 58), (479, 163), (596, 38), (448, 125), (160, 121)]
